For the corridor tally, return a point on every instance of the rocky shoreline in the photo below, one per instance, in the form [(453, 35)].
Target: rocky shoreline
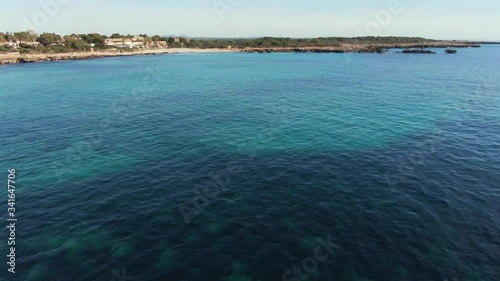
[(13, 58), (362, 48)]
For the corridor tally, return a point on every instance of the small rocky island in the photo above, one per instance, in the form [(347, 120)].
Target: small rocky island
[(418, 51)]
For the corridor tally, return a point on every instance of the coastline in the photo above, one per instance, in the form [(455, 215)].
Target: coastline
[(13, 58), (363, 48)]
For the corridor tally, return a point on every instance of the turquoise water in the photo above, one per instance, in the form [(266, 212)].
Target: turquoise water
[(232, 166)]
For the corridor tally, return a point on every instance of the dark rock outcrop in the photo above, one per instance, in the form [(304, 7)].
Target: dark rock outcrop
[(419, 51)]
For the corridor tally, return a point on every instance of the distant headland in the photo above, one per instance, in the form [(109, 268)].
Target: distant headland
[(20, 47)]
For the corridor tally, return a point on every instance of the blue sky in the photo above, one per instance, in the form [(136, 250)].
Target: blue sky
[(445, 19)]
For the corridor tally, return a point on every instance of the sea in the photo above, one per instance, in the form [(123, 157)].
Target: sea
[(253, 167)]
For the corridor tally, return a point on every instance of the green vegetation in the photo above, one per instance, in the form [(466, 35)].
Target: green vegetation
[(269, 42), (25, 36), (29, 42), (73, 42), (6, 49), (93, 38), (48, 39)]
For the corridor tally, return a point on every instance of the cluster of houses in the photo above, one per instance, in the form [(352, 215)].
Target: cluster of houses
[(134, 42), (13, 42), (17, 43), (123, 42)]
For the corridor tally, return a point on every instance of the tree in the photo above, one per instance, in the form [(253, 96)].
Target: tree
[(76, 44), (116, 35), (193, 44), (9, 36), (93, 38), (2, 38), (156, 38), (49, 38), (24, 36), (171, 40)]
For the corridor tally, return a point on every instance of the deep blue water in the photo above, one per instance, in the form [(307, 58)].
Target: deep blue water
[(232, 166)]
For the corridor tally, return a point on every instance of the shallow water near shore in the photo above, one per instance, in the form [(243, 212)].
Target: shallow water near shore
[(393, 157)]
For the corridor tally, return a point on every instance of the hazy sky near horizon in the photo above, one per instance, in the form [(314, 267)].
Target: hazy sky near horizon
[(445, 19)]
